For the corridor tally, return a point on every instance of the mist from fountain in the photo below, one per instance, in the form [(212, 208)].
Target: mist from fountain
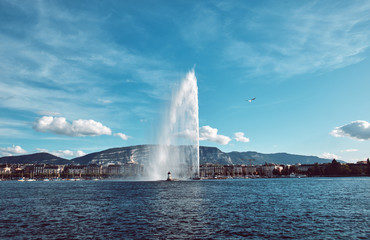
[(178, 150)]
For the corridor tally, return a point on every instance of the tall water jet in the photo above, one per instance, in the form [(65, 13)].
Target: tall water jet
[(178, 150)]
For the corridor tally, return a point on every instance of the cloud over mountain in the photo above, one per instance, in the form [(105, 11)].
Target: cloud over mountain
[(80, 127), (64, 153), (327, 155), (13, 150), (359, 130), (210, 134)]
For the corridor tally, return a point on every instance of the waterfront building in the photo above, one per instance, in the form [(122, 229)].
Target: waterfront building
[(5, 169), (18, 170), (228, 170), (94, 170), (304, 167), (238, 170), (52, 170), (38, 169), (268, 169), (250, 170), (218, 170), (114, 170), (361, 162), (29, 171), (75, 170), (210, 170), (131, 169)]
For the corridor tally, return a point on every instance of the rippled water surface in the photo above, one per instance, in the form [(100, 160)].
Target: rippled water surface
[(309, 208)]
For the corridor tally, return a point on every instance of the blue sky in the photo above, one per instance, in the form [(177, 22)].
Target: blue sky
[(83, 76)]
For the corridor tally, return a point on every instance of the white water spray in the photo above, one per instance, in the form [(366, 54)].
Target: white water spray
[(178, 150)]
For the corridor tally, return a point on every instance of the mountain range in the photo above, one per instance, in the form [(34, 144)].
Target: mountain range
[(36, 158), (143, 153)]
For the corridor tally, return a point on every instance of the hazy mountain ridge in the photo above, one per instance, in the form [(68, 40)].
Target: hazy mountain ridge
[(278, 158), (35, 158), (143, 153), (213, 155), (138, 153)]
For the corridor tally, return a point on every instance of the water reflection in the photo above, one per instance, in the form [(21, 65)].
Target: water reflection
[(180, 210)]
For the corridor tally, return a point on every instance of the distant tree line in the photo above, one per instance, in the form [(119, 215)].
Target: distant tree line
[(337, 169)]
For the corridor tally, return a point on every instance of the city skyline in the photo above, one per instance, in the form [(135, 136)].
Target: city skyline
[(80, 77)]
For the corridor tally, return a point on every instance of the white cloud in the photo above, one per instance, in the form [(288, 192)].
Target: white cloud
[(359, 130), (122, 136), (350, 150), (210, 134), (13, 150), (64, 153), (329, 156), (239, 137), (80, 153), (59, 125)]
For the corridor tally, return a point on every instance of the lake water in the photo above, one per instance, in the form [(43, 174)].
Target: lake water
[(305, 208)]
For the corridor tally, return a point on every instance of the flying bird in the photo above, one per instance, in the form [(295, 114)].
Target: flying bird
[(250, 100)]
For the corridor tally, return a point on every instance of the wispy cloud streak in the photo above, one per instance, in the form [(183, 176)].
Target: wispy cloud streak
[(307, 37), (62, 59)]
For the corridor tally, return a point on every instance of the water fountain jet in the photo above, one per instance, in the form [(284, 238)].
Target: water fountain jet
[(178, 150)]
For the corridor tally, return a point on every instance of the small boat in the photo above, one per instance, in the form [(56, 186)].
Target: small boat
[(21, 180), (31, 180)]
